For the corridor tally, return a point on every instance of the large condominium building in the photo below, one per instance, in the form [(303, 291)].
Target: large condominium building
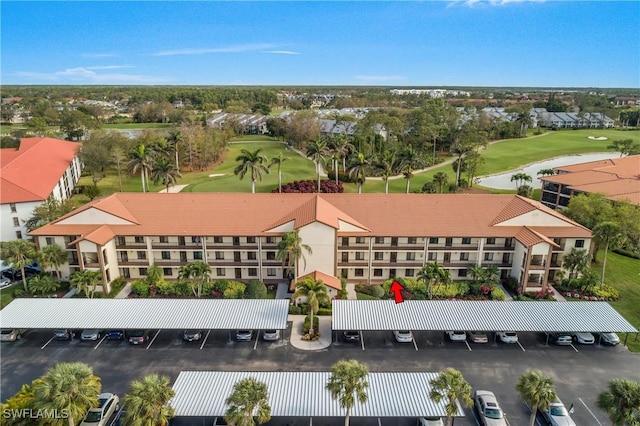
[(38, 169), (365, 238)]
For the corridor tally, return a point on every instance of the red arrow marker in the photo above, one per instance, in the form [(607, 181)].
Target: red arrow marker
[(396, 289)]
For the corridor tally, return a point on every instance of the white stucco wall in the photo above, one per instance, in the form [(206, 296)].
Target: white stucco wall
[(534, 218), (322, 240), (94, 216), (23, 213)]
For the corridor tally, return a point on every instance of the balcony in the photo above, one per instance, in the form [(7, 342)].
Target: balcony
[(137, 262), (234, 263), (463, 247)]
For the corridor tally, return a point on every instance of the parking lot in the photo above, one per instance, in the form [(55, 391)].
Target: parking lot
[(579, 371)]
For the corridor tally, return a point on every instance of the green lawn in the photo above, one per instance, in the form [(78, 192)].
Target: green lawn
[(6, 294)]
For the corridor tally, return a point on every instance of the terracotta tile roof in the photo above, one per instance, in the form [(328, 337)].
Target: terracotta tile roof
[(100, 236), (528, 237), (30, 172), (317, 209), (328, 280), (228, 214)]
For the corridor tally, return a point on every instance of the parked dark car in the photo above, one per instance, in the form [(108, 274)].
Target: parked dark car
[(191, 335), (62, 334), (351, 336), (115, 335), (137, 337)]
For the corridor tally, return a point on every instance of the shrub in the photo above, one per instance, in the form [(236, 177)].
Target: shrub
[(376, 291), (342, 294), (362, 288), (305, 326), (511, 284), (255, 290), (606, 291), (324, 311), (165, 288), (453, 290), (497, 294), (220, 285), (182, 288), (140, 288), (235, 290), (208, 287), (295, 310), (311, 186), (116, 286), (342, 177)]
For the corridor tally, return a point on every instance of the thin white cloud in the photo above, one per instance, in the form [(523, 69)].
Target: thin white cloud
[(227, 49), (379, 78), (108, 67), (99, 55), (88, 76), (282, 52), (481, 3)]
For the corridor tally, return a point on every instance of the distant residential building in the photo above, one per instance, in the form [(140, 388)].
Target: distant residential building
[(617, 178), (254, 124), (434, 93), (37, 169), (571, 120)]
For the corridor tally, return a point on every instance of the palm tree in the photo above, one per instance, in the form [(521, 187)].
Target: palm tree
[(410, 160), (520, 179), (290, 250), (576, 262), (52, 255), (348, 384), (607, 234), (174, 138), (537, 391), (164, 171), (316, 293), (621, 401), (546, 172), (478, 274), (43, 284), (433, 273), (86, 281), (251, 162), (440, 179), (450, 387), (141, 158), (386, 164), (460, 150), (318, 151), (198, 271), (67, 387), (343, 148), (357, 169), (249, 400), (277, 161), (18, 253), (148, 401)]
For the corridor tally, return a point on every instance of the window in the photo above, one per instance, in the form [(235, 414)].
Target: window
[(466, 240), (579, 243), (345, 241), (491, 241), (195, 240), (488, 257), (462, 272), (220, 272), (359, 255), (378, 255), (251, 240), (464, 256), (181, 241), (16, 221), (411, 256), (164, 240), (271, 255), (448, 242), (412, 240), (359, 272), (138, 240), (167, 272), (49, 241), (377, 272), (345, 256), (142, 255), (271, 240), (13, 207), (433, 240), (359, 240), (379, 240), (253, 272), (142, 272), (251, 255), (219, 255), (19, 235), (408, 272), (217, 240), (120, 241), (126, 272), (271, 272), (432, 256), (197, 255), (236, 241), (166, 255), (344, 273)]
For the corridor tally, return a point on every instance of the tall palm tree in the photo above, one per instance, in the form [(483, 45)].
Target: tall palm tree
[(441, 179), (248, 402), (86, 281), (520, 179), (537, 391), (175, 138), (609, 235), (277, 161), (460, 150), (410, 160), (433, 273), (386, 164), (18, 253), (315, 292), (251, 162), (450, 386), (141, 159), (546, 172), (621, 401), (478, 273), (164, 171), (148, 401), (199, 272), (290, 250), (318, 151), (357, 169), (576, 261), (343, 148), (348, 384), (67, 387)]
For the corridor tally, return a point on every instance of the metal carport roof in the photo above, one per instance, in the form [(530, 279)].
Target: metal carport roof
[(303, 394), (442, 315), (165, 314)]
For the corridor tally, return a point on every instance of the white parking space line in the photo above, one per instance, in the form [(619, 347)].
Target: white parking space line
[(468, 346), (590, 412), (521, 347), (205, 339), (361, 339), (45, 345), (415, 344), (255, 345), (100, 342), (574, 348), (152, 340)]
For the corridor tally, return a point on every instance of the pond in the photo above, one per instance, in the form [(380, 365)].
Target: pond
[(503, 180)]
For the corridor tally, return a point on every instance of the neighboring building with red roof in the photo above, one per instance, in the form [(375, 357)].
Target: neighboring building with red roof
[(39, 168), (617, 178), (364, 238)]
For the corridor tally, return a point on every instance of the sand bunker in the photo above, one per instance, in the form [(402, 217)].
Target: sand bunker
[(216, 175), (598, 138)]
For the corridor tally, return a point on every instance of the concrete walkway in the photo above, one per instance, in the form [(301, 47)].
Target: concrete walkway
[(324, 323), (173, 189), (124, 293)]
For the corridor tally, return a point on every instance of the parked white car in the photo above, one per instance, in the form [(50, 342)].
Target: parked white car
[(507, 336), (271, 335), (100, 416), (430, 421), (478, 337), (584, 338), (558, 415), (457, 336), (11, 334), (403, 336), (489, 410), (609, 339)]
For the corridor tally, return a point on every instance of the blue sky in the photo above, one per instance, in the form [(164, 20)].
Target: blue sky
[(439, 43)]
